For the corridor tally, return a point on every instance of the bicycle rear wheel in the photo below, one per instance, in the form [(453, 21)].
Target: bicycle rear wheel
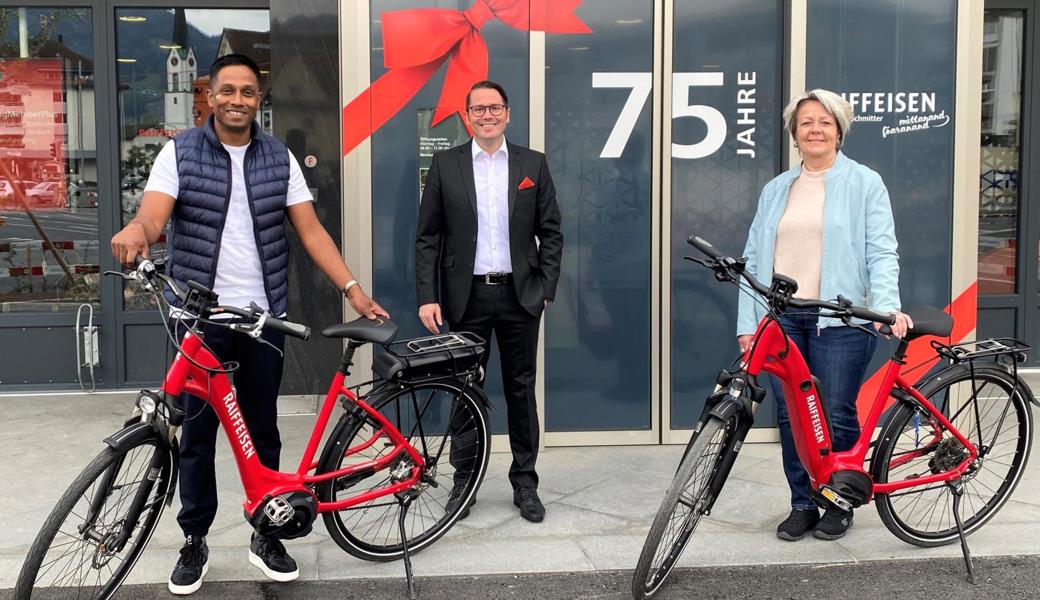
[(987, 408), (85, 549), (682, 508), (447, 423)]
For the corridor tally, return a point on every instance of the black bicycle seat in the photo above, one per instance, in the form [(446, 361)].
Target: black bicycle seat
[(363, 329), (930, 321)]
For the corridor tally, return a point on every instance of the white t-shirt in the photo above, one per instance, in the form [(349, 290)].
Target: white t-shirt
[(239, 279)]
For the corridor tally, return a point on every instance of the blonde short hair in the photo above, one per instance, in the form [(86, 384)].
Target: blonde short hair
[(835, 105)]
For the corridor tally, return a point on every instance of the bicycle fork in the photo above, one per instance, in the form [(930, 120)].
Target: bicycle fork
[(744, 405)]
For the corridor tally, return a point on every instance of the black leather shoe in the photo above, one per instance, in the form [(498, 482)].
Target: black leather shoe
[(455, 498), (191, 567), (268, 554), (531, 508), (797, 524), (834, 524)]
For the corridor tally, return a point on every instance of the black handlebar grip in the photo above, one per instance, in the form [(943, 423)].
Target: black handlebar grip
[(289, 328), (870, 315), (704, 247)]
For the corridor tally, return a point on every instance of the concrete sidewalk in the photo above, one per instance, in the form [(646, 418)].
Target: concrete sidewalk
[(599, 502)]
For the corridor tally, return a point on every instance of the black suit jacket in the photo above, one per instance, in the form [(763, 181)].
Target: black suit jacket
[(446, 241)]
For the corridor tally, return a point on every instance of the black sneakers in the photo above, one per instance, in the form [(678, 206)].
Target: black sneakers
[(455, 498), (191, 567), (834, 524), (268, 554), (797, 524), (526, 499)]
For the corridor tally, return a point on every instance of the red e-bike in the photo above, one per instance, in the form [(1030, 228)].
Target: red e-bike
[(945, 460), (399, 466)]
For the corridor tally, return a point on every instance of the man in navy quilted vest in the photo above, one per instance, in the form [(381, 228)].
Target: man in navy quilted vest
[(227, 188)]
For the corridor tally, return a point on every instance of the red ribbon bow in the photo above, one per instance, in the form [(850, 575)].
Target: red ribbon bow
[(417, 42)]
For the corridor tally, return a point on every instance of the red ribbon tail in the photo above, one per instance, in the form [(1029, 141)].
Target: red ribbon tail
[(372, 108), (468, 65)]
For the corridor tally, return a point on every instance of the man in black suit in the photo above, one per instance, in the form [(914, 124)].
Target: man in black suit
[(489, 235)]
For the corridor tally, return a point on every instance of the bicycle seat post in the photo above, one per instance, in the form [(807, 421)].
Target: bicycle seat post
[(348, 357)]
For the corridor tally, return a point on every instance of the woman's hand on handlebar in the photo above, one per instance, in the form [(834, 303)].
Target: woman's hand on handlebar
[(744, 342), (901, 326), (365, 306)]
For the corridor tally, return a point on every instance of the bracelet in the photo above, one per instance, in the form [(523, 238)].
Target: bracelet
[(348, 285)]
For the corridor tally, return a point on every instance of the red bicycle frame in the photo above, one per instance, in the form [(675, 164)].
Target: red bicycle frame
[(260, 482), (774, 353)]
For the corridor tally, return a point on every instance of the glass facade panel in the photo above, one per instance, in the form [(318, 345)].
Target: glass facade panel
[(726, 141), (895, 63), (48, 161), (163, 57), (1000, 151), (598, 144), (401, 155)]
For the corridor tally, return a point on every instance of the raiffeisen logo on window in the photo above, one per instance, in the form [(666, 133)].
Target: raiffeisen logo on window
[(897, 112)]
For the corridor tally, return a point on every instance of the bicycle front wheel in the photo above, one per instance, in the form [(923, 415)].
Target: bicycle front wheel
[(89, 544), (684, 504), (446, 422), (989, 409)]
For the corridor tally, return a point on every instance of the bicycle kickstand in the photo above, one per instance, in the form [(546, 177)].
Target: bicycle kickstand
[(957, 488), (404, 503)]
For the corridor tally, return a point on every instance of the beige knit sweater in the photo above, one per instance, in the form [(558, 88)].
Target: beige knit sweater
[(799, 234)]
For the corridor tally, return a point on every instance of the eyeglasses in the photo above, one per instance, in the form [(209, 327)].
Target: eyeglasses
[(496, 110)]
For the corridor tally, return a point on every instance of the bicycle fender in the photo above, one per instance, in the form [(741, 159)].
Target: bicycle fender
[(131, 435), (726, 409)]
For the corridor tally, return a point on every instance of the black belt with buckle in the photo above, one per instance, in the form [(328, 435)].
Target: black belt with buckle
[(494, 278)]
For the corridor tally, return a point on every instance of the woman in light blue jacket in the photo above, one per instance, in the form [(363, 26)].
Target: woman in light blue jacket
[(827, 224)]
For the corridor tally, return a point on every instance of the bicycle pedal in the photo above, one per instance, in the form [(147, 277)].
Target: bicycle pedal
[(835, 498)]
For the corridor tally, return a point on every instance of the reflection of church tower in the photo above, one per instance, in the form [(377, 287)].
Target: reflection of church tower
[(181, 70)]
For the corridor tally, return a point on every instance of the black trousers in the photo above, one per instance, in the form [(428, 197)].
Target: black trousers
[(256, 385), (495, 309)]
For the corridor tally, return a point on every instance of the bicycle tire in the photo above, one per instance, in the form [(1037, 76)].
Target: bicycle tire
[(695, 474), (369, 531), (61, 531), (983, 409)]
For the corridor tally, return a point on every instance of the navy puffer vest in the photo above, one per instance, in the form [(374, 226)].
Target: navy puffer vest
[(204, 172)]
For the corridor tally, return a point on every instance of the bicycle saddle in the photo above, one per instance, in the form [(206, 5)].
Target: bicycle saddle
[(930, 321), (363, 329)]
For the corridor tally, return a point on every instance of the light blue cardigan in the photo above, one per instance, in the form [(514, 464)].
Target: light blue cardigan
[(860, 260)]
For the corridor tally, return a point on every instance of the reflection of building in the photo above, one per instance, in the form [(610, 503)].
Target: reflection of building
[(255, 45), (181, 70)]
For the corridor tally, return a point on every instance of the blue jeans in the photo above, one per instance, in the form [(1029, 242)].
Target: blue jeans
[(838, 357)]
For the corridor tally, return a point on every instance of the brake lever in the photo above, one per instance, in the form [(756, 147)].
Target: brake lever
[(867, 330)]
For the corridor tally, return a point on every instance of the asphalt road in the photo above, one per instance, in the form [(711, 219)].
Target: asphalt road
[(998, 578)]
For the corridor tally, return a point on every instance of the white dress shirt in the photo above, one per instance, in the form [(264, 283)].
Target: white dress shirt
[(491, 176)]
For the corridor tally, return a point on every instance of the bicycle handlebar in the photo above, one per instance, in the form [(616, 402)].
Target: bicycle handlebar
[(148, 271), (733, 268)]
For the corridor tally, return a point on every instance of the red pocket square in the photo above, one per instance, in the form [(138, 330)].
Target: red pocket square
[(526, 183)]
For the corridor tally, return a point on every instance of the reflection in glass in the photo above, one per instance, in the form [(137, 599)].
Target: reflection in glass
[(163, 57), (48, 161), (1001, 136)]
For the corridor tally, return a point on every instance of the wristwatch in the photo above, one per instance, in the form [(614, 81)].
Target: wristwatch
[(348, 285)]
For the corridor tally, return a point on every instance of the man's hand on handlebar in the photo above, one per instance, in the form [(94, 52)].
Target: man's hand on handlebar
[(129, 243), (744, 342)]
